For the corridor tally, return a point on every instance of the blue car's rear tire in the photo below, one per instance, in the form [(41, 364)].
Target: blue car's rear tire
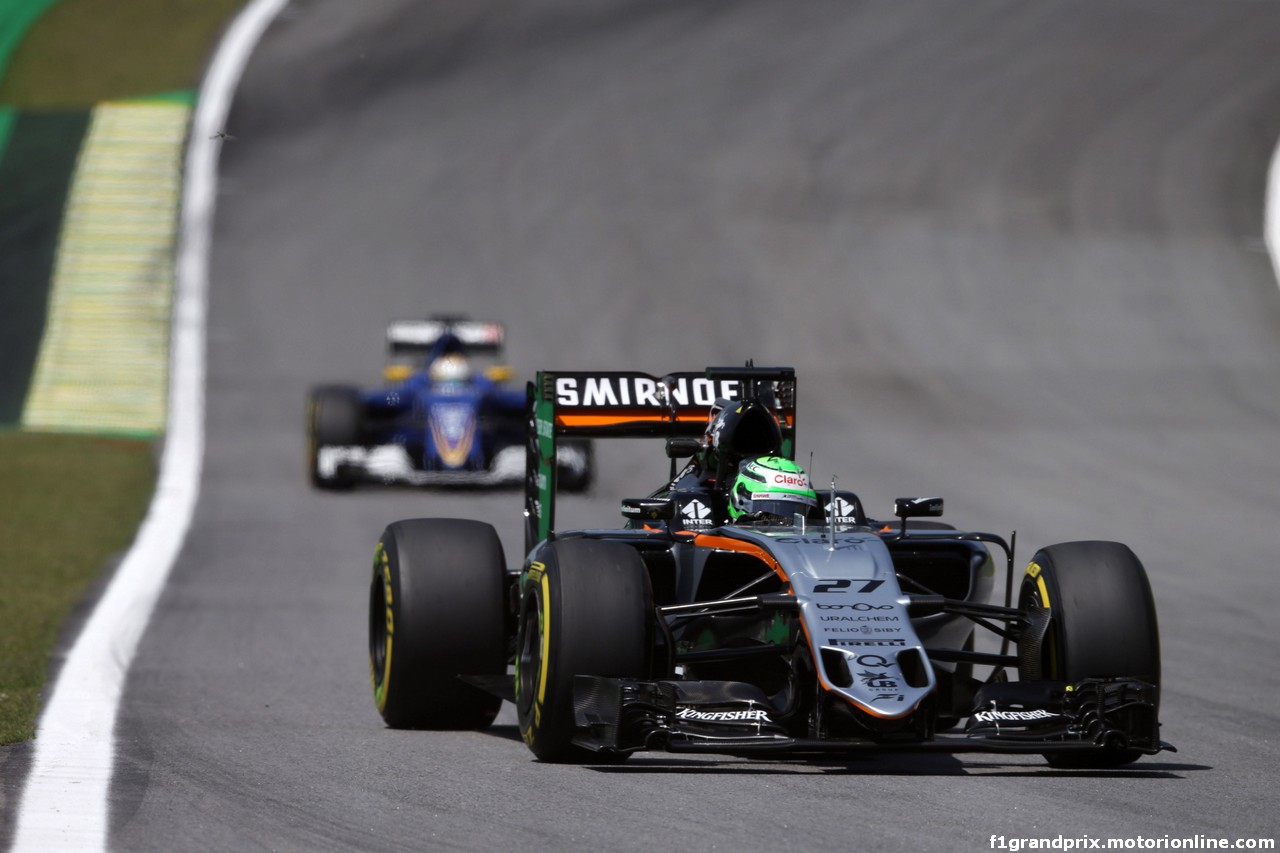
[(436, 611), (577, 475)]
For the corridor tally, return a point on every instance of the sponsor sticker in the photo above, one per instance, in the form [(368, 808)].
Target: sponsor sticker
[(858, 618), (793, 481), (1014, 716), (752, 715), (841, 510), (876, 643), (696, 514), (640, 391)]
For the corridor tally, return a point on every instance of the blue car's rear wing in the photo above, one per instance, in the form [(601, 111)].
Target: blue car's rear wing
[(627, 404), (420, 337)]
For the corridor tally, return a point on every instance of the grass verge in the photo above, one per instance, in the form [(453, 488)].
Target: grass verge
[(70, 504), (81, 52)]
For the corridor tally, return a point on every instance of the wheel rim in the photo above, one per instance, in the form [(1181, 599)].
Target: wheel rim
[(529, 661), (1050, 667), (377, 628)]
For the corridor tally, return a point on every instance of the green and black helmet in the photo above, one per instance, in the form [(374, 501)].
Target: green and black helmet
[(770, 488)]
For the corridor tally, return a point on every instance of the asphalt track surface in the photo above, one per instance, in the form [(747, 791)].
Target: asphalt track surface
[(1013, 250)]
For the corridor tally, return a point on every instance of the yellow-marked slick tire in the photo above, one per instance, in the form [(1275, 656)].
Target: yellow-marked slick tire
[(585, 609), (335, 415), (436, 611), (1102, 625)]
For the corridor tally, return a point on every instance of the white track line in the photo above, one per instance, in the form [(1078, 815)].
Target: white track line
[(1271, 218), (65, 802)]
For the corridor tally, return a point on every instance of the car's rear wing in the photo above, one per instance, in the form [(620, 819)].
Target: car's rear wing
[(629, 404), (418, 337)]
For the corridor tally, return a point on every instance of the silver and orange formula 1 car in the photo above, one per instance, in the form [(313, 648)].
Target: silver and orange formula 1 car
[(681, 631)]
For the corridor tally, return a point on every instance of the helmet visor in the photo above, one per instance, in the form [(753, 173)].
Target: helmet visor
[(783, 506)]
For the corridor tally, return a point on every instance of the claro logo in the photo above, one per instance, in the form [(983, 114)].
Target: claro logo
[(798, 481)]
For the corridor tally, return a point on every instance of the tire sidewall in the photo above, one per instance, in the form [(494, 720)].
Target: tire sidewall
[(1103, 620), (538, 684), (436, 611), (585, 608), (334, 418), (1102, 624)]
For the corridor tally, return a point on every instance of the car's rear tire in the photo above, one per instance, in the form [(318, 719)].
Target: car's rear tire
[(335, 418), (436, 611), (1102, 625), (577, 477), (585, 609)]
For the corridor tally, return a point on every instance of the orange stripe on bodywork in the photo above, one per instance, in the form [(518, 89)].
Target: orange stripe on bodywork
[(618, 420), (569, 421), (724, 543)]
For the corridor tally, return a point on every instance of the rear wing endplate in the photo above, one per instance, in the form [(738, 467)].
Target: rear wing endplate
[(629, 404)]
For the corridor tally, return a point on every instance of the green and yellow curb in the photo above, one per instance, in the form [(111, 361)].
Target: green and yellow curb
[(103, 359)]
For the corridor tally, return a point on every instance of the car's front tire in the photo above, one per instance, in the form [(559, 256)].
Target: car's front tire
[(436, 611), (585, 607), (1102, 625), (335, 418)]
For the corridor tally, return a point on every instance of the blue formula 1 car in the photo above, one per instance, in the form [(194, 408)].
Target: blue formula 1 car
[(445, 416)]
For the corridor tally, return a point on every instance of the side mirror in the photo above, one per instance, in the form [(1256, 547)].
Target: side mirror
[(649, 509), (905, 508), (680, 446)]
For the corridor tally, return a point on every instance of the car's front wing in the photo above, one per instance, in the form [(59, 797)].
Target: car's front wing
[(391, 465), (622, 715)]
